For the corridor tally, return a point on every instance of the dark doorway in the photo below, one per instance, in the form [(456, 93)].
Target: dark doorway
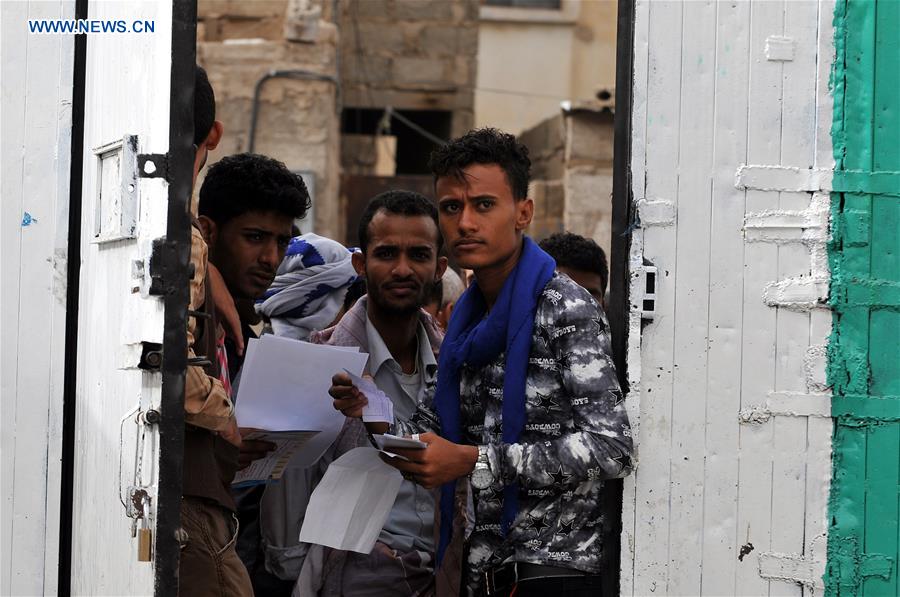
[(417, 132), (356, 190)]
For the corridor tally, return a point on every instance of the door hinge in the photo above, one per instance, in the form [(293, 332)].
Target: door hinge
[(161, 272), (153, 165)]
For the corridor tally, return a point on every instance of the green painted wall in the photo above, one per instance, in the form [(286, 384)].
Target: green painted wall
[(864, 254)]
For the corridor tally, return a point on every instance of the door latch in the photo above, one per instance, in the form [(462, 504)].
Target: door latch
[(645, 296)]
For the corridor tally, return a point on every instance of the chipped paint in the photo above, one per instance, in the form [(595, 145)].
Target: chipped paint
[(755, 415), (782, 178), (787, 404), (656, 212), (795, 568), (814, 365), (60, 263), (797, 294), (809, 226)]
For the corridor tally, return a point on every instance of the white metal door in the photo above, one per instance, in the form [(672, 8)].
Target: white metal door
[(731, 123), (127, 105), (36, 123)]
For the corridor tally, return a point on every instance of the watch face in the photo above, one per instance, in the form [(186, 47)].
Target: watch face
[(482, 478)]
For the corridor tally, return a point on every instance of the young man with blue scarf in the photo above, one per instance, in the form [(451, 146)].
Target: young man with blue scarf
[(527, 406)]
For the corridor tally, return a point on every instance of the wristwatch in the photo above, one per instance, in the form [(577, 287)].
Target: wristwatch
[(481, 476)]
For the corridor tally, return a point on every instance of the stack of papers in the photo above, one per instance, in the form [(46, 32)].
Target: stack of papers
[(380, 408), (284, 388)]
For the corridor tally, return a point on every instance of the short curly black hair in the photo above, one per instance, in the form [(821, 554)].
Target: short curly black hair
[(485, 146), (246, 182), (399, 202), (577, 252)]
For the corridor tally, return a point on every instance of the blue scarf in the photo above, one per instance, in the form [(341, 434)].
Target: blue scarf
[(476, 341)]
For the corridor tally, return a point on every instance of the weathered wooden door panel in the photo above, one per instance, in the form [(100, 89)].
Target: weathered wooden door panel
[(127, 113)]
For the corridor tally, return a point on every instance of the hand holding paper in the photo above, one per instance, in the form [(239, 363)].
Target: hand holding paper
[(271, 466), (380, 408), (282, 387), (387, 442)]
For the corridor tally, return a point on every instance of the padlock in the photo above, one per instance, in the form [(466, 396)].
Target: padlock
[(145, 542)]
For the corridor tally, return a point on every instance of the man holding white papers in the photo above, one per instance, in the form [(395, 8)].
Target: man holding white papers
[(247, 207), (400, 241)]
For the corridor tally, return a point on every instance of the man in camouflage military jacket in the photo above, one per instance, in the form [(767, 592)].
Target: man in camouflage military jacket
[(538, 524)]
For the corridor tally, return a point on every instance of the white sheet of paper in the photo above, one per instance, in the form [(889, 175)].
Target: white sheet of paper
[(352, 501), (284, 387), (380, 408)]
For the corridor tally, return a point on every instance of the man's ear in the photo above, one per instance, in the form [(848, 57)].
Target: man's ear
[(209, 230), (443, 315), (215, 135), (441, 268), (208, 144), (359, 263), (524, 213)]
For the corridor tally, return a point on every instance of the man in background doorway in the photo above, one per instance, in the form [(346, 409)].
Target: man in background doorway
[(581, 259)]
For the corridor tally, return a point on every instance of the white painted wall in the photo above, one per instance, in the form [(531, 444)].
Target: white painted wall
[(36, 131), (728, 380)]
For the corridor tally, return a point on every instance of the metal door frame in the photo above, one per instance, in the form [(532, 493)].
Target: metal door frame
[(623, 217)]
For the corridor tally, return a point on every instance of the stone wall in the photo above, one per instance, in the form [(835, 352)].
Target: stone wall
[(572, 157), (546, 144), (589, 174), (218, 20), (298, 120), (410, 54)]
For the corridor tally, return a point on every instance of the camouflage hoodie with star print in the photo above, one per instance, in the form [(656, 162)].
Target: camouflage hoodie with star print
[(576, 435)]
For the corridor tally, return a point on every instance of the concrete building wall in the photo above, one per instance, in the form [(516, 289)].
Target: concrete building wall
[(219, 20), (571, 157), (530, 60)]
